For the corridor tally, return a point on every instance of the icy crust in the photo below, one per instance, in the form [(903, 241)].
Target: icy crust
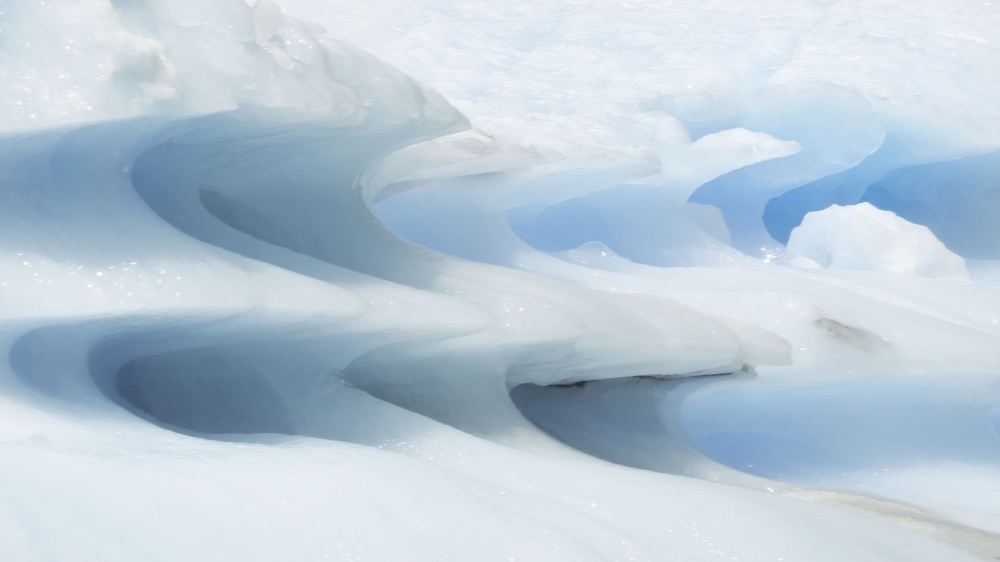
[(288, 181)]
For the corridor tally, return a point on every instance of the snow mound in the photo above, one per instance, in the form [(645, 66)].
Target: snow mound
[(863, 236)]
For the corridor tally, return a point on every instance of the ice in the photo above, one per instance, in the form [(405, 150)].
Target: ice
[(881, 84), (864, 237), (962, 214), (263, 295)]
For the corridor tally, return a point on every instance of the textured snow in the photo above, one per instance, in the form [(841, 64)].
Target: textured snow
[(264, 296)]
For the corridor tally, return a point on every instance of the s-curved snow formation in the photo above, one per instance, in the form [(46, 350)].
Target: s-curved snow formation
[(263, 296)]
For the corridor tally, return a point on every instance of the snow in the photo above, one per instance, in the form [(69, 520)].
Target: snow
[(864, 237), (863, 87), (265, 296)]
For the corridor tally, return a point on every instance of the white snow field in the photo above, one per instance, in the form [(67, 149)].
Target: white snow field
[(604, 280)]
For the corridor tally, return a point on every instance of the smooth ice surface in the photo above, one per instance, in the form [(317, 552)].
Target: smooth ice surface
[(265, 296)]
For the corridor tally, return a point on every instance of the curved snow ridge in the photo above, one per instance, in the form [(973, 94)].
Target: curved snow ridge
[(273, 186), (301, 192), (226, 354)]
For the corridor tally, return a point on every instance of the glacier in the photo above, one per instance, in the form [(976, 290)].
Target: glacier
[(591, 280)]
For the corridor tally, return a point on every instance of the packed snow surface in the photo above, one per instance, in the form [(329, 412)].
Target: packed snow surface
[(266, 296)]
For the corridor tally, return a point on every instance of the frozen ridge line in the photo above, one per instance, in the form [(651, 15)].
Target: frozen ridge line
[(218, 350)]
